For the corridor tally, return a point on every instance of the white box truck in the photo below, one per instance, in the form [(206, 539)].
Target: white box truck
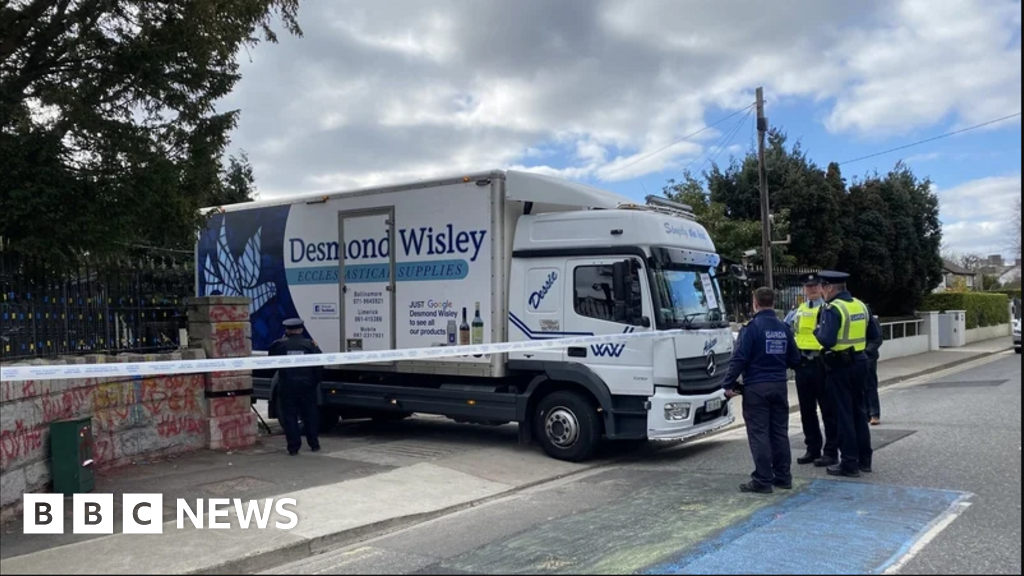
[(492, 257)]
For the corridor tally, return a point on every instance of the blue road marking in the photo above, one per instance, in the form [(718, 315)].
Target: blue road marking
[(827, 528)]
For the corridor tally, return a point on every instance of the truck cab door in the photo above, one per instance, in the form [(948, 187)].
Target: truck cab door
[(611, 296), (536, 312)]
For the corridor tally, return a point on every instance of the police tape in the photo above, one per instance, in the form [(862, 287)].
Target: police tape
[(170, 367)]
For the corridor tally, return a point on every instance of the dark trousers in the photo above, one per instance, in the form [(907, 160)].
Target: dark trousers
[(874, 407), (847, 388), (297, 404), (812, 392), (766, 412)]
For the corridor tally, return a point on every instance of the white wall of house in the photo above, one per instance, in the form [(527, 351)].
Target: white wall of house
[(949, 279)]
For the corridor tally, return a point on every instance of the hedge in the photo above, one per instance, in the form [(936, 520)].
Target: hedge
[(1015, 294), (983, 310)]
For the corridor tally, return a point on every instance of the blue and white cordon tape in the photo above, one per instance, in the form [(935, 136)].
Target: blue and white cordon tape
[(134, 369)]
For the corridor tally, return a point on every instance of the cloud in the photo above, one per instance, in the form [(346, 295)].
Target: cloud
[(383, 91), (975, 214), (928, 60)]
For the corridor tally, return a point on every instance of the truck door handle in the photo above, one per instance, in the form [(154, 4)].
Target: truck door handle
[(577, 352)]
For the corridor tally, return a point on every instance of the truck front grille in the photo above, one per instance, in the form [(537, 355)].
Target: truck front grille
[(695, 378)]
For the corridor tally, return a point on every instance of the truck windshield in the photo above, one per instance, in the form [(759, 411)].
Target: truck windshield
[(688, 293)]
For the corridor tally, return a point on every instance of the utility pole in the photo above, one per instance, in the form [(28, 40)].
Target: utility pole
[(766, 223)]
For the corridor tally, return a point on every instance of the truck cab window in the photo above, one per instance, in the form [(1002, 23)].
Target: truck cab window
[(594, 295)]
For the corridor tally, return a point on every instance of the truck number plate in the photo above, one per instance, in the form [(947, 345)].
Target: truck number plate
[(713, 405)]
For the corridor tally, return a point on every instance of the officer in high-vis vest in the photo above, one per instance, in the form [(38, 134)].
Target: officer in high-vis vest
[(843, 334), (811, 391)]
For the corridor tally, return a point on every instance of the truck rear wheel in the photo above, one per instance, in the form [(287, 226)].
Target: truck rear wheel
[(386, 417), (568, 426), (329, 418)]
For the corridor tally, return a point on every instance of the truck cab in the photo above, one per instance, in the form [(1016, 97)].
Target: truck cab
[(630, 270)]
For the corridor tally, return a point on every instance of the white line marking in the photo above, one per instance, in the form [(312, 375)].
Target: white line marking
[(931, 532)]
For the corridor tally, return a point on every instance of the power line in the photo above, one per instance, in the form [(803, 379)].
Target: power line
[(735, 132), (683, 139), (947, 135), (727, 135)]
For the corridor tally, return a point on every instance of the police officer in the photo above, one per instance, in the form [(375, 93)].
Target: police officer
[(298, 388), (843, 334), (874, 405), (822, 451), (765, 351)]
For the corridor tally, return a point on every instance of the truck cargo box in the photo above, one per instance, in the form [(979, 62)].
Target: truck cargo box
[(376, 271)]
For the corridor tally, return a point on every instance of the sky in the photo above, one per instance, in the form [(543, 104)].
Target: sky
[(607, 92)]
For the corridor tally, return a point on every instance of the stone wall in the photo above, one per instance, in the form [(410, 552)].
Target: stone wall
[(134, 418)]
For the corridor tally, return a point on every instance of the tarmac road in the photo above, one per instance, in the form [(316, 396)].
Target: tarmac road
[(944, 499)]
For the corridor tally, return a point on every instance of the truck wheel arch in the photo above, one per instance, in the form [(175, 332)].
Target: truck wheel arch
[(553, 378)]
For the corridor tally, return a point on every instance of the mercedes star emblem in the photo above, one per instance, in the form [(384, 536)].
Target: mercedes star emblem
[(712, 364)]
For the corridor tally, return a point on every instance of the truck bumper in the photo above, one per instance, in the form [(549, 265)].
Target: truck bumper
[(703, 417)]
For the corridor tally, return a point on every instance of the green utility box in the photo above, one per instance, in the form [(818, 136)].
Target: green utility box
[(71, 454)]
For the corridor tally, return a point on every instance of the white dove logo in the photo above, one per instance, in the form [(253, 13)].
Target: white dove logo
[(228, 276)]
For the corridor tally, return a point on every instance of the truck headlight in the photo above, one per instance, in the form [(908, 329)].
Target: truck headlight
[(676, 411)]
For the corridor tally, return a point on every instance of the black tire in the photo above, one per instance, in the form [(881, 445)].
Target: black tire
[(1017, 350), (568, 426), (385, 417), (278, 408), (329, 418)]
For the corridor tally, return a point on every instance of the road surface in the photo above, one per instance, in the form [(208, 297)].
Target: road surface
[(944, 499)]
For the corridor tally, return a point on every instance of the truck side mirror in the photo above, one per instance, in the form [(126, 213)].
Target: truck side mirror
[(738, 272)]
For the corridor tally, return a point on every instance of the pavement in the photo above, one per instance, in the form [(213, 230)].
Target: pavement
[(370, 479)]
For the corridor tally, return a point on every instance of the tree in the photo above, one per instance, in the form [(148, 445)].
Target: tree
[(108, 132), (798, 188), (870, 262), (892, 241), (237, 183), (990, 282), (958, 285), (732, 236), (884, 230)]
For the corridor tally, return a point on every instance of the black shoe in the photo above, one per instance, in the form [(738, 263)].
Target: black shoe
[(755, 488), (808, 458), (293, 452), (825, 462), (783, 485), (317, 449), (839, 471), (866, 469)]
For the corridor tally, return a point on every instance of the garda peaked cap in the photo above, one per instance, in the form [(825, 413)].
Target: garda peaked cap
[(831, 276), (812, 279)]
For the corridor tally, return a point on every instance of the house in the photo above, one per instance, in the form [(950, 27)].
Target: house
[(954, 275), (1008, 274), (1011, 276)]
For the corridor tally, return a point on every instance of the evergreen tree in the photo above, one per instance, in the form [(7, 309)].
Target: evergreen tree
[(108, 132)]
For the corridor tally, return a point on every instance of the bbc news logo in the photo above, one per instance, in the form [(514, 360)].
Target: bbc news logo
[(144, 514)]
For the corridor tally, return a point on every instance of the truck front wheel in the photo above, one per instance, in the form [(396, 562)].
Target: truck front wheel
[(568, 426)]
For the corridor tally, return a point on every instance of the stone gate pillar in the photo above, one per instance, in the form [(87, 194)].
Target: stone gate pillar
[(220, 326)]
